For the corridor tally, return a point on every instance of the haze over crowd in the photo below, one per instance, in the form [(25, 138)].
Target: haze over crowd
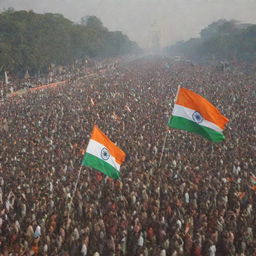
[(173, 20)]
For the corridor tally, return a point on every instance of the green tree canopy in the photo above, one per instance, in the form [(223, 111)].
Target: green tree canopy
[(31, 41), (221, 40)]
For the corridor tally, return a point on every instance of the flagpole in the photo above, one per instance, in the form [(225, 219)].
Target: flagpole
[(78, 177), (176, 97), (163, 148), (71, 202), (165, 138)]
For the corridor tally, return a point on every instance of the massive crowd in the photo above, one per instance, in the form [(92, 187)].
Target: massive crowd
[(54, 74), (200, 199)]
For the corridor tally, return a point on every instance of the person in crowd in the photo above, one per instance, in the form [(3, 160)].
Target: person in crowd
[(199, 200)]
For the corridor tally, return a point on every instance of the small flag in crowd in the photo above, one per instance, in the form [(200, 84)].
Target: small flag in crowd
[(253, 179), (194, 113), (241, 195), (103, 155), (253, 187)]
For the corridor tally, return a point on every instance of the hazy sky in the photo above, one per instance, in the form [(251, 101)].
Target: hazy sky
[(173, 20)]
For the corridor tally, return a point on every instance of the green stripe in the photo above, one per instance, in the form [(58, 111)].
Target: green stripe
[(100, 165), (190, 126)]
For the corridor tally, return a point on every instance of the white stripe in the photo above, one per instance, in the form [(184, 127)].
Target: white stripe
[(187, 113), (95, 148)]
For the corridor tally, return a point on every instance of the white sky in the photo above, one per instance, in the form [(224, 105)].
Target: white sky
[(173, 19)]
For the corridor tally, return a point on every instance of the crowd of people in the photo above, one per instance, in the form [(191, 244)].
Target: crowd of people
[(13, 83), (179, 194)]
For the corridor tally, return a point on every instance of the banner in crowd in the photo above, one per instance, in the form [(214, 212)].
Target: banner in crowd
[(102, 154), (194, 113)]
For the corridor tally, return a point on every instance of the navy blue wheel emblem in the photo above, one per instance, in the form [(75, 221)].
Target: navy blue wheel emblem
[(104, 154), (197, 117)]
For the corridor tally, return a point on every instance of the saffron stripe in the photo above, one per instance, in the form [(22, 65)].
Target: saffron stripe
[(192, 100), (101, 138)]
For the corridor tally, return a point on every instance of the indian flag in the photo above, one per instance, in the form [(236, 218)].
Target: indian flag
[(194, 113), (103, 155)]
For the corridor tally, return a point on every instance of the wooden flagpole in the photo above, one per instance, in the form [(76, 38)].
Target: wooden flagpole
[(167, 132), (176, 97), (78, 177), (77, 180), (163, 148)]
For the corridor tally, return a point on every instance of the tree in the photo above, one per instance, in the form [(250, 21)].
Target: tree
[(92, 22), (30, 41), (222, 39)]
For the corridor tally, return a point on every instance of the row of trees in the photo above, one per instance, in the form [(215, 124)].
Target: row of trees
[(221, 40), (30, 41)]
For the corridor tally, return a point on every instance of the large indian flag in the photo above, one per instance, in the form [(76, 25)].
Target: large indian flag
[(103, 155), (194, 113)]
